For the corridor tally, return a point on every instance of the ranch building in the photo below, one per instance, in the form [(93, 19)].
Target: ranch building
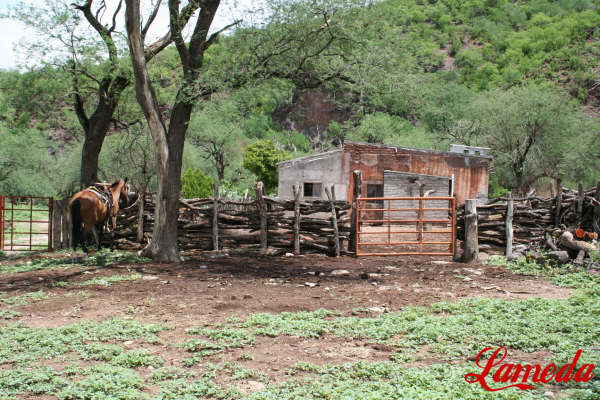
[(388, 171)]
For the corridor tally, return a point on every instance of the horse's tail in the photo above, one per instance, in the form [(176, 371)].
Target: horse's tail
[(76, 236)]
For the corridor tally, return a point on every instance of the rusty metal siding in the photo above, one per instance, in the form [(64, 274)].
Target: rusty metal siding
[(470, 172), (402, 184)]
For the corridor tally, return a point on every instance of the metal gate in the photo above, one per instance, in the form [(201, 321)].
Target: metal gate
[(409, 226), (26, 223)]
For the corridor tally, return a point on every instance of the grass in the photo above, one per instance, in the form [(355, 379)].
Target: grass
[(565, 276), (101, 258), (21, 345), (98, 366), (107, 281)]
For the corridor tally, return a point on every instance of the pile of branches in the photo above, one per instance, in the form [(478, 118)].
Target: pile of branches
[(567, 225), (239, 224), (531, 218)]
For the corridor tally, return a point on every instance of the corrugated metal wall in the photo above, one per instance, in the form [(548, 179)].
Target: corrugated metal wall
[(403, 184)]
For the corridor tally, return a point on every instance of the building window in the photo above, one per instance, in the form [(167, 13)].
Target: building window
[(375, 190), (312, 189)]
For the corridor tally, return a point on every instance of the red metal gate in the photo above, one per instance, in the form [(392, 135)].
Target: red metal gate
[(26, 223), (407, 226)]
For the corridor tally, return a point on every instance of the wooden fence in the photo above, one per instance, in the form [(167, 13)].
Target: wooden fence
[(531, 221), (264, 222)]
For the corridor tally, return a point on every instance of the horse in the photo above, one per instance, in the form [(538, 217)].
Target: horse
[(91, 209)]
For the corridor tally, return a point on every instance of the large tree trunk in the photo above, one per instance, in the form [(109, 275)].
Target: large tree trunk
[(169, 144), (163, 246), (98, 126)]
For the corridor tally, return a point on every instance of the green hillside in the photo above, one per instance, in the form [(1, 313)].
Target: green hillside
[(413, 73)]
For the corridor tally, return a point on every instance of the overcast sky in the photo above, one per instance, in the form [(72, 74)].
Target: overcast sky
[(11, 32)]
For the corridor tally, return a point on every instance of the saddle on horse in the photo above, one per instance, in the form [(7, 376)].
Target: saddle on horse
[(102, 190)]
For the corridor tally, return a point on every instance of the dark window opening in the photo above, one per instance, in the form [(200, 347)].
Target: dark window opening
[(312, 189), (375, 190)]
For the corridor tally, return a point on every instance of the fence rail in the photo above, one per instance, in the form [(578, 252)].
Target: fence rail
[(26, 223), (390, 235)]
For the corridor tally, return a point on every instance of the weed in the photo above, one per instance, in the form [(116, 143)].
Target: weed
[(107, 281), (104, 382), (137, 358)]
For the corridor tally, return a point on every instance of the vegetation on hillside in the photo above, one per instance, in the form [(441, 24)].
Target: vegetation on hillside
[(521, 78)]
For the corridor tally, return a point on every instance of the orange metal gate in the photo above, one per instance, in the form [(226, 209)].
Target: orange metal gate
[(408, 226), (26, 223)]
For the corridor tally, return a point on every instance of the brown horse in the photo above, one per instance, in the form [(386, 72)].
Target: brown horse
[(91, 209)]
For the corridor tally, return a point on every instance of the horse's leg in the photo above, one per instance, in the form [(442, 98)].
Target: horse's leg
[(100, 228), (112, 233), (96, 235), (83, 243)]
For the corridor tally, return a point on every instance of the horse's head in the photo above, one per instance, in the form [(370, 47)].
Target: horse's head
[(121, 189)]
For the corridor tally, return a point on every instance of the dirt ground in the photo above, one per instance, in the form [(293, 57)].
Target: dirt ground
[(211, 288)]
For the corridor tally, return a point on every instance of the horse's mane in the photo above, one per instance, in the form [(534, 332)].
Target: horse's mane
[(115, 184)]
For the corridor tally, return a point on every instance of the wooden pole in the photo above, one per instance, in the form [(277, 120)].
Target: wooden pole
[(56, 225), (509, 226), (336, 233), (557, 209), (471, 253), (262, 210), (296, 190), (580, 199), (1, 222), (65, 223), (596, 220), (215, 219), (140, 216), (421, 186), (354, 227)]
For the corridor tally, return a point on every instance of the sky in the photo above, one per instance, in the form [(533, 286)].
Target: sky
[(12, 32)]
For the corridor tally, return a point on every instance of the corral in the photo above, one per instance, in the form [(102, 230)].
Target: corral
[(273, 327)]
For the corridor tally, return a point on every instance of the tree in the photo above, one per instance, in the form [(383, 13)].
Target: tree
[(531, 130), (261, 158), (24, 171), (217, 132), (194, 183), (169, 141), (98, 72)]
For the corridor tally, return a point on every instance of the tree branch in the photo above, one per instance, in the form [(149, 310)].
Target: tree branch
[(151, 18), (114, 18), (105, 34), (215, 35)]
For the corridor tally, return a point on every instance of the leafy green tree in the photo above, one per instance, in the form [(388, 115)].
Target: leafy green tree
[(530, 130), (99, 73), (24, 172), (261, 158), (217, 131), (194, 183)]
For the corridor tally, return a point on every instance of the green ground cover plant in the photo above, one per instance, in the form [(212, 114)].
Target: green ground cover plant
[(108, 280)]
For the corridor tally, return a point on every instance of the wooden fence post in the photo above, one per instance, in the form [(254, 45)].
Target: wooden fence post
[(296, 190), (1, 222), (56, 226), (558, 208), (509, 226), (65, 220), (420, 215), (595, 224), (262, 210), (140, 216), (471, 253), (353, 240), (580, 199), (336, 233), (215, 220)]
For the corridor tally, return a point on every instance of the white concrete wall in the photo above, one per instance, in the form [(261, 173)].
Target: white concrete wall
[(326, 168)]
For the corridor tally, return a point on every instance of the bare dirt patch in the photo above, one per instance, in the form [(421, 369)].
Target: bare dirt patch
[(210, 289), (215, 288)]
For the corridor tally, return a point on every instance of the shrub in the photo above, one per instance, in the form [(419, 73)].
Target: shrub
[(194, 183)]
